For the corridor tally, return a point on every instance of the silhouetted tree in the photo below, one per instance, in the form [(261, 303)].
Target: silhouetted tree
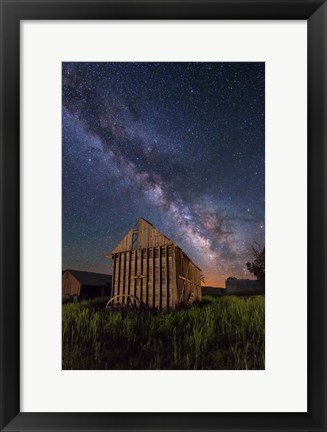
[(257, 266)]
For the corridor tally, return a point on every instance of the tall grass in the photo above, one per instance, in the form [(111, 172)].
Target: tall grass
[(219, 333)]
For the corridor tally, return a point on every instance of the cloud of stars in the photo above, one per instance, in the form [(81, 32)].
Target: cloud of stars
[(180, 144)]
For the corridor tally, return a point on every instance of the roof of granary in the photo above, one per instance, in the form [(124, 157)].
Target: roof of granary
[(90, 278)]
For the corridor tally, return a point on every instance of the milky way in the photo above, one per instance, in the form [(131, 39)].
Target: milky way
[(180, 144)]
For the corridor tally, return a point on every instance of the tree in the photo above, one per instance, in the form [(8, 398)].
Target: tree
[(257, 266)]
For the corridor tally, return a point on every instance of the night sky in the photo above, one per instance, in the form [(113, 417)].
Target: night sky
[(180, 144)]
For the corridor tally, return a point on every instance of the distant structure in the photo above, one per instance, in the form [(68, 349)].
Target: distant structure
[(244, 286), (83, 285), (213, 291), (151, 269)]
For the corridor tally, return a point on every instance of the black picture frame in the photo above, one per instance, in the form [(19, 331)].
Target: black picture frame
[(12, 12)]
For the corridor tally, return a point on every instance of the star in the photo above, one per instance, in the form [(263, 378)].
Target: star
[(180, 144)]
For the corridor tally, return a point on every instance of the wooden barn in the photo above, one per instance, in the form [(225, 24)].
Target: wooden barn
[(83, 285), (150, 269)]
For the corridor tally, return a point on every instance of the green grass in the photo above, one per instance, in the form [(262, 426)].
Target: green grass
[(220, 333)]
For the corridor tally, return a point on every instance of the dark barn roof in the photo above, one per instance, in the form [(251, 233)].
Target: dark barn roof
[(90, 278)]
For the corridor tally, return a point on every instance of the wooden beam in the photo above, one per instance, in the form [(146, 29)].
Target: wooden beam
[(106, 256), (147, 276), (173, 276), (118, 279), (153, 277), (129, 272), (185, 279), (160, 278), (124, 277), (167, 275), (141, 274), (113, 276), (135, 270)]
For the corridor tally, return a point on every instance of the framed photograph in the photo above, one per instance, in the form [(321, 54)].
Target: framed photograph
[(163, 215)]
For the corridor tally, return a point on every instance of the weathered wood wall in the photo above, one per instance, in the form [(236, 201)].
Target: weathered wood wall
[(147, 274), (150, 267), (188, 278), (160, 277), (70, 285), (145, 236)]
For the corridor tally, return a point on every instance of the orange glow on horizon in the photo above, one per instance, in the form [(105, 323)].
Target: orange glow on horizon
[(214, 281)]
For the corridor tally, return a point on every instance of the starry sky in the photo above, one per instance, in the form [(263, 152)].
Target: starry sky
[(180, 144)]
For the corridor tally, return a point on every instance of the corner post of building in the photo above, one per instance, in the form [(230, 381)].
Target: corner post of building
[(113, 257)]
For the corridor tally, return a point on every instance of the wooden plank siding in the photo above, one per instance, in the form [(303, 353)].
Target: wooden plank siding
[(155, 278), (188, 278), (70, 285), (147, 236), (149, 266)]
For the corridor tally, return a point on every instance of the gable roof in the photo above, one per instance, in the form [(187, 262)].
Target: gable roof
[(90, 278), (147, 236), (144, 235)]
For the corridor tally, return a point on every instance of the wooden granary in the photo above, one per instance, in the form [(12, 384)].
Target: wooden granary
[(150, 269)]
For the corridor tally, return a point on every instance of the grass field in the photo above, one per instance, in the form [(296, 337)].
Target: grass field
[(220, 333)]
